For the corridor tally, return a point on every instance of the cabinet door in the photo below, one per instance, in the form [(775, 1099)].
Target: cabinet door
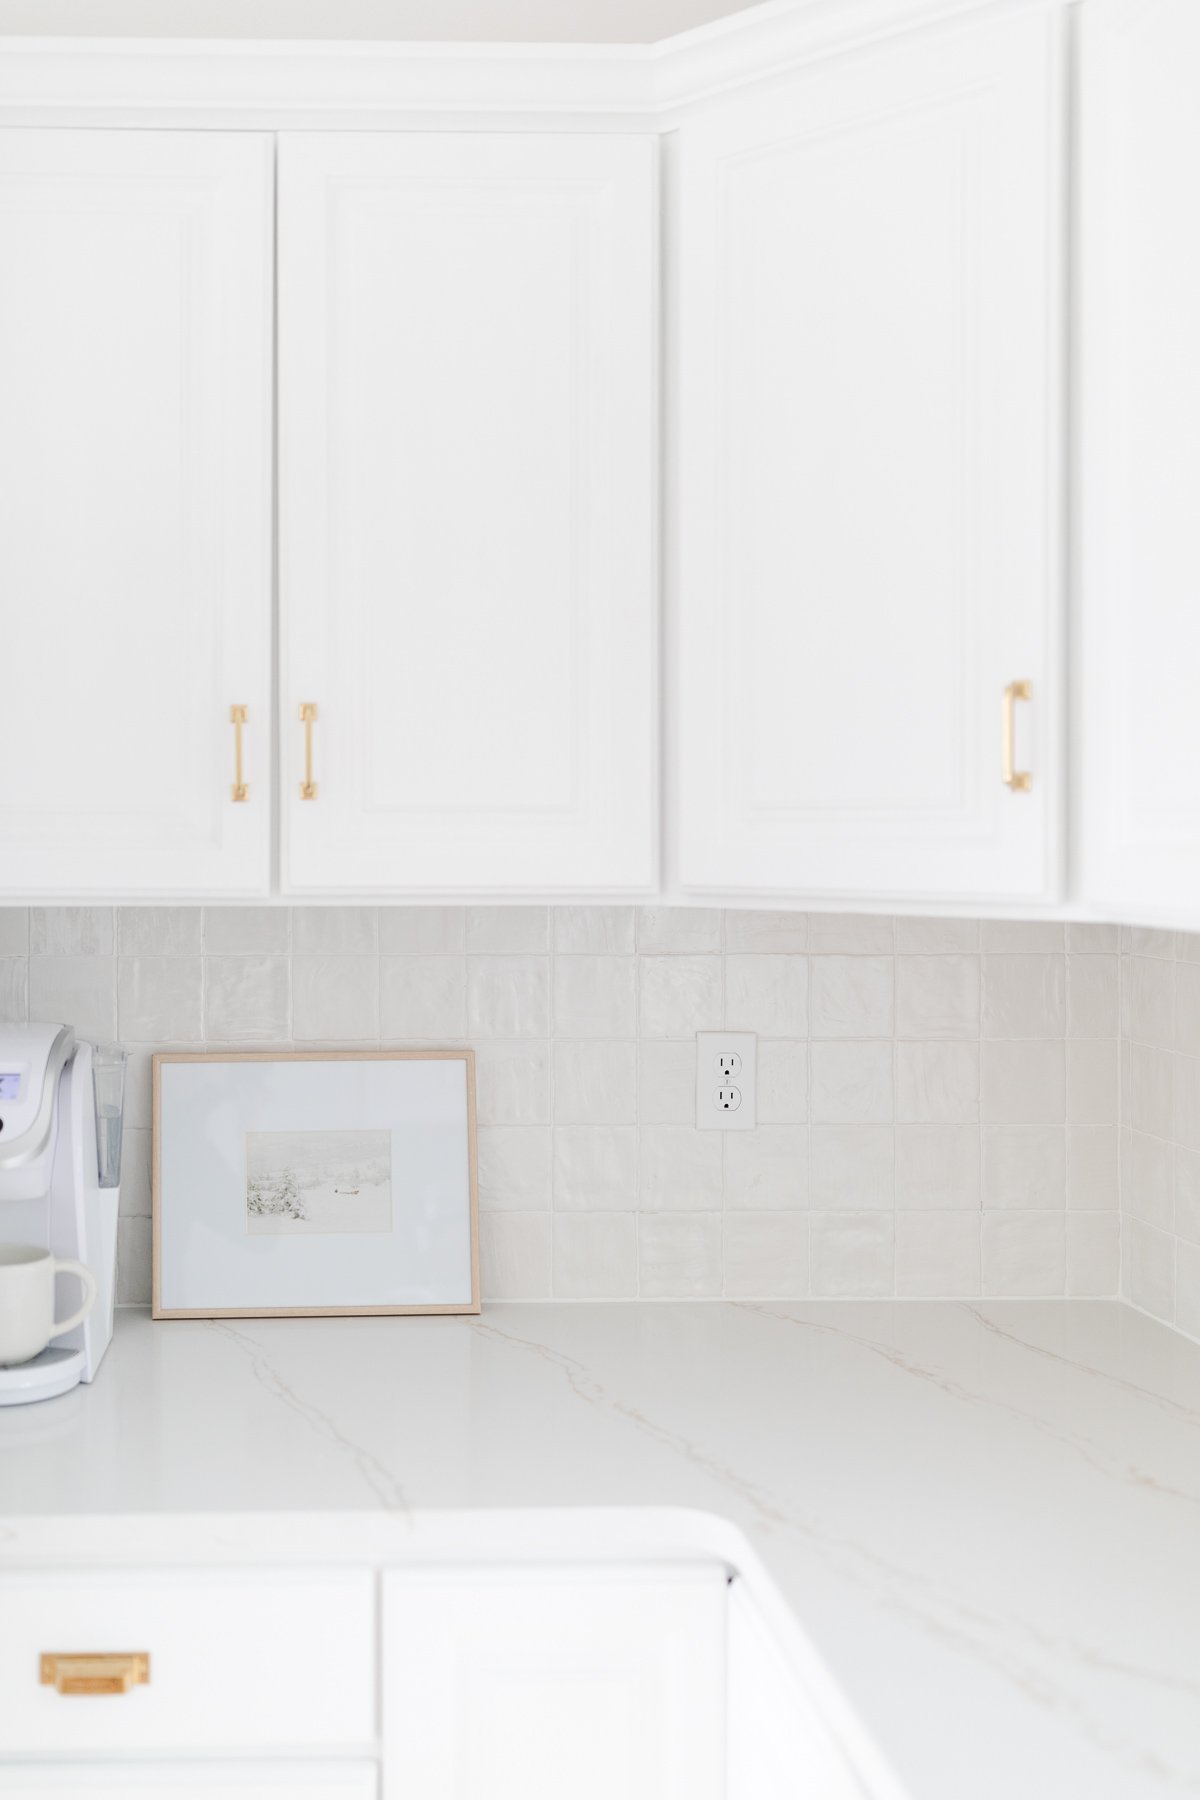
[(869, 318), (544, 1683), (779, 1747), (467, 462), (1139, 761), (135, 511)]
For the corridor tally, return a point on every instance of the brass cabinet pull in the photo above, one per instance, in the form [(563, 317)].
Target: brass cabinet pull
[(1019, 780), (112, 1672), (237, 718), (308, 716)]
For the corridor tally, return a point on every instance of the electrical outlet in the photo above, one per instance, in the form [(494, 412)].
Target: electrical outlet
[(725, 1080)]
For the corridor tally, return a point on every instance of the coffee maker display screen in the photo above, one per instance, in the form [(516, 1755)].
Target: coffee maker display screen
[(10, 1084)]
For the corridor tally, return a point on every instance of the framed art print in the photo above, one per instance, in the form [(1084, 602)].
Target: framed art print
[(315, 1181)]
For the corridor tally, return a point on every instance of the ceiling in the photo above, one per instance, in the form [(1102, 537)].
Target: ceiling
[(493, 21)]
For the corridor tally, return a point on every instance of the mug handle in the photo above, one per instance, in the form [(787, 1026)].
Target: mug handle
[(89, 1295)]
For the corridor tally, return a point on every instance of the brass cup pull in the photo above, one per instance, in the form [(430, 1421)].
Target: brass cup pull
[(1018, 780), (308, 718), (113, 1672), (237, 718)]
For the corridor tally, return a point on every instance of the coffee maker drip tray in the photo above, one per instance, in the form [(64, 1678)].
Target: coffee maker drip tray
[(54, 1371)]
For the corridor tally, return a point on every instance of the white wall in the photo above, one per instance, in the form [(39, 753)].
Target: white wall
[(517, 21)]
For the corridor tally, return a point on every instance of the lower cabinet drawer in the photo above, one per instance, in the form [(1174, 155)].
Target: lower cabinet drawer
[(217, 1781), (237, 1661)]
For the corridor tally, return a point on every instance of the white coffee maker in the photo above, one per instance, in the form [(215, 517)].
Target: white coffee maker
[(60, 1165)]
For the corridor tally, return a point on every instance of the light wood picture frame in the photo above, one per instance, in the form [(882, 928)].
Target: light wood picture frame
[(248, 1171)]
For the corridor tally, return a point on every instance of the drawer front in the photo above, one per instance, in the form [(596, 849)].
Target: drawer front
[(237, 1661), (220, 1781)]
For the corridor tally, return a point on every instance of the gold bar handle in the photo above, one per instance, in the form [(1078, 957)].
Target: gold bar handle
[(238, 716), (1018, 780), (114, 1672), (308, 718)]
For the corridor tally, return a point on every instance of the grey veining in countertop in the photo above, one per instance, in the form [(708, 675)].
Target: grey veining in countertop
[(986, 1515)]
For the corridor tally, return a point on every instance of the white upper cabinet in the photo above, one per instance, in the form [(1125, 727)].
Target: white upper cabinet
[(135, 511), (1139, 759), (867, 294), (467, 511)]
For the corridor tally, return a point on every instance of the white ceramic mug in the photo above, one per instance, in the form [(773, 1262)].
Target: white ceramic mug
[(27, 1321)]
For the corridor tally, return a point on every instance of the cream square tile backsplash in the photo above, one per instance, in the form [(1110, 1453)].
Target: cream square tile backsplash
[(1160, 1124), (939, 1100)]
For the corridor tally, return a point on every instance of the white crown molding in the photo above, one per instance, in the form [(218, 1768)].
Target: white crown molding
[(98, 81), (699, 66), (212, 83)]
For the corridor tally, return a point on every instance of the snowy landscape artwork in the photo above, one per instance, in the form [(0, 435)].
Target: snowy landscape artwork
[(318, 1182)]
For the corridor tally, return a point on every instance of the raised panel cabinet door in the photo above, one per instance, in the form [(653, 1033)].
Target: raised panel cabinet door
[(135, 511), (868, 305), (540, 1683), (467, 505), (778, 1745), (1139, 591)]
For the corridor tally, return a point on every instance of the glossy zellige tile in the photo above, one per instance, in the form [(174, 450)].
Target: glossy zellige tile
[(678, 995), (851, 1166), (512, 1081), (514, 1256), (14, 989), (938, 1168), (72, 931), (161, 997), (678, 930), (937, 1254), (595, 1168), (159, 930), (766, 1255), (335, 999), (595, 997), (766, 1169), (422, 997), (508, 996), (335, 930), (247, 930), (14, 930), (514, 1168), (782, 1082), (937, 996), (1093, 1253), (594, 930), (595, 1256), (851, 1083), (1025, 1168), (508, 930), (852, 1254), (679, 1169), (767, 994), (679, 1257), (595, 1083), (247, 999), (422, 930), (765, 933), (851, 996), (1024, 1254), (667, 1082)]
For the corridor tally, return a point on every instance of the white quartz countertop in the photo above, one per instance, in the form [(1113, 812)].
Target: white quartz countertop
[(985, 1516)]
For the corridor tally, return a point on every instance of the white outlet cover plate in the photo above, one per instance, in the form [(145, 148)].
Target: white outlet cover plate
[(710, 1047)]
